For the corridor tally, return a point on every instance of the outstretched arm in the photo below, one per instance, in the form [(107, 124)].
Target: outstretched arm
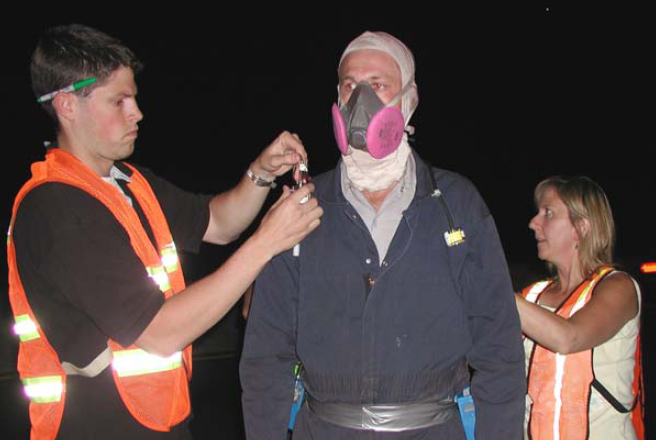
[(190, 313), (231, 212), (613, 303)]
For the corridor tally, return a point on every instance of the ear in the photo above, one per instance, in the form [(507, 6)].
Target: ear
[(583, 227), (65, 104)]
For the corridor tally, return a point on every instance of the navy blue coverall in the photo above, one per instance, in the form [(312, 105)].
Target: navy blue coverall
[(399, 331)]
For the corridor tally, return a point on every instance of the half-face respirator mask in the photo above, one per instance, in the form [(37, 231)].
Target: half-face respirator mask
[(368, 124)]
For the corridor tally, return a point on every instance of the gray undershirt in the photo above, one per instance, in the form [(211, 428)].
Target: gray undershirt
[(382, 224)]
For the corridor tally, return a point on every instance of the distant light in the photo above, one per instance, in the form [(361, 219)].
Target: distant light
[(648, 267)]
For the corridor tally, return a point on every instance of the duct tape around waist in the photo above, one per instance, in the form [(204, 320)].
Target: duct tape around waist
[(385, 417)]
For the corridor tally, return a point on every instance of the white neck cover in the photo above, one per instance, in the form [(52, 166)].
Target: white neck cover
[(367, 173)]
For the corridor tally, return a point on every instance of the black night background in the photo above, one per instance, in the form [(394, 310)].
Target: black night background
[(509, 95)]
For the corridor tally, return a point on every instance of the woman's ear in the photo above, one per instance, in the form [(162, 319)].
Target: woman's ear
[(583, 227)]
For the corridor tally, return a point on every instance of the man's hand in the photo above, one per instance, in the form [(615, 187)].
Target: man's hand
[(288, 221), (279, 157)]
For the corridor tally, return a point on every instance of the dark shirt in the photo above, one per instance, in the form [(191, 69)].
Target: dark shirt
[(85, 284)]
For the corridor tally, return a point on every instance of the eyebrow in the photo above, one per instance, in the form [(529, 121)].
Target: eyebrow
[(121, 94), (376, 77)]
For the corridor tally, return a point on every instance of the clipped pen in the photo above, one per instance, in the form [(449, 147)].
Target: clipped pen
[(72, 88)]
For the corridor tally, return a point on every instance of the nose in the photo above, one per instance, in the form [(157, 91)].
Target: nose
[(138, 114), (135, 114), (534, 223)]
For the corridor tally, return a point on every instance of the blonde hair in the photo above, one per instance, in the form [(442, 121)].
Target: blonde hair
[(585, 199)]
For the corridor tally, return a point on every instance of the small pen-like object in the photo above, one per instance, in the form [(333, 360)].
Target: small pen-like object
[(303, 179), (72, 88)]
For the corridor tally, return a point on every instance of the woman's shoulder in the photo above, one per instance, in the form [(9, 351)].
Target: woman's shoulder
[(619, 281), (621, 291)]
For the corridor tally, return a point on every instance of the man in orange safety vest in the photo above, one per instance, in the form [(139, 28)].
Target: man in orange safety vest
[(101, 308)]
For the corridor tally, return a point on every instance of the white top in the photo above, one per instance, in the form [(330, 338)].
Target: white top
[(613, 366)]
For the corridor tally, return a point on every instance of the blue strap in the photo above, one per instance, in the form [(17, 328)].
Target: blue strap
[(467, 411), (299, 393)]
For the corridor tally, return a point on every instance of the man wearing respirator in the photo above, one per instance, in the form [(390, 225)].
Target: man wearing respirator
[(395, 297)]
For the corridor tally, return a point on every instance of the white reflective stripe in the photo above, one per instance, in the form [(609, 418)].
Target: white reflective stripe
[(170, 260), (560, 366), (535, 290), (44, 389), (25, 328), (170, 257), (581, 300), (159, 275), (579, 304), (137, 361), (558, 382), (11, 226)]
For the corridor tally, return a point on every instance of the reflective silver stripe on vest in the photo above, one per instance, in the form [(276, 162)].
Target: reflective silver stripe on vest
[(535, 290), (170, 257), (159, 275), (388, 417), (560, 360), (25, 328), (44, 389), (136, 361)]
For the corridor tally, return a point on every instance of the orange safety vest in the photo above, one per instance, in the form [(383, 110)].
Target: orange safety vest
[(154, 389), (560, 385)]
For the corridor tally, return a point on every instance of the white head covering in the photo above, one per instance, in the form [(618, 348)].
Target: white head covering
[(363, 171), (400, 53)]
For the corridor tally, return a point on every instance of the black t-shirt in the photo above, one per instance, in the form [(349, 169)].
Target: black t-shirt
[(85, 284)]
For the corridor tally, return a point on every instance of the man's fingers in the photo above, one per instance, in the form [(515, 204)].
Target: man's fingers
[(285, 195), (283, 162), (291, 141), (303, 193)]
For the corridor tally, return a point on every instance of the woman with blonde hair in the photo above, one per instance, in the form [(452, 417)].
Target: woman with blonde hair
[(581, 326)]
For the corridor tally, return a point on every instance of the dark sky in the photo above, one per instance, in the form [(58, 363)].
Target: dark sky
[(508, 96)]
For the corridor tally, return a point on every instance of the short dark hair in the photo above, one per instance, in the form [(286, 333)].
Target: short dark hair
[(72, 53)]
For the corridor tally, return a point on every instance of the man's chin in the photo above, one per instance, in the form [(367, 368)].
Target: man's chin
[(127, 152)]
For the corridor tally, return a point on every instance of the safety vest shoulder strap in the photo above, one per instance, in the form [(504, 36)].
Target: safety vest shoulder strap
[(66, 168), (532, 292), (170, 271), (582, 294)]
